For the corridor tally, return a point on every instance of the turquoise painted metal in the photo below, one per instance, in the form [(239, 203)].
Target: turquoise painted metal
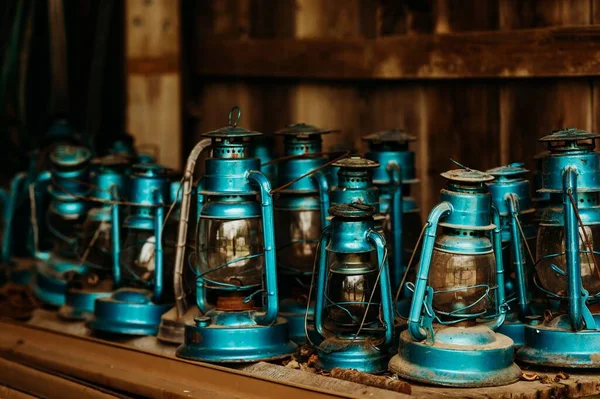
[(511, 196), (235, 261), (396, 174), (567, 268), (459, 280), (299, 219), (64, 219), (110, 185), (352, 292), (138, 271), (264, 148)]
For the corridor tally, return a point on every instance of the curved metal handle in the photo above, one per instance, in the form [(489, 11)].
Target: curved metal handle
[(500, 293), (184, 215), (116, 237), (512, 202), (415, 329), (321, 281), (385, 285), (269, 316), (42, 180), (576, 302), (321, 181), (396, 216), (9, 213), (158, 249)]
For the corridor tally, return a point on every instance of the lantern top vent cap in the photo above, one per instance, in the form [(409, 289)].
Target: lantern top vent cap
[(513, 169), (355, 163), (569, 134), (232, 130), (151, 170), (70, 155), (391, 135), (354, 210), (303, 130), (467, 176)]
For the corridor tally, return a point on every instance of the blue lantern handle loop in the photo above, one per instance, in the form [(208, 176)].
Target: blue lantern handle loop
[(512, 202), (387, 307), (416, 330), (184, 216), (576, 302), (395, 172), (323, 185), (501, 307), (269, 316), (10, 206), (116, 237), (158, 249), (232, 122)]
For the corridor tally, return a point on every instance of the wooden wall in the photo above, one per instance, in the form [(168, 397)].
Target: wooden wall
[(475, 80)]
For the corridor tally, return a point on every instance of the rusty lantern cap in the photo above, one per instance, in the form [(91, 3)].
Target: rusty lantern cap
[(303, 130), (356, 162), (569, 134), (397, 135), (512, 169), (232, 130)]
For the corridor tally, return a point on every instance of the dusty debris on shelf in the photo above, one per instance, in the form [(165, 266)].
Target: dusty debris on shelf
[(377, 381)]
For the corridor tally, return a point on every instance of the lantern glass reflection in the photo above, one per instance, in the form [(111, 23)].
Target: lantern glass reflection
[(97, 241), (297, 238), (551, 240), (66, 232), (222, 242), (351, 282), (462, 282)]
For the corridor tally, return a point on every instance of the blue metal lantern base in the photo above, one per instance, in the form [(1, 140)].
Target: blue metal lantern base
[(514, 329), (226, 337), (294, 313), (358, 354), (128, 311), (460, 357), (80, 304), (48, 282), (554, 344)]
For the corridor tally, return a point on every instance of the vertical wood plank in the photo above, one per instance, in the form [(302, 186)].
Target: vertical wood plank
[(153, 78), (337, 105), (533, 108)]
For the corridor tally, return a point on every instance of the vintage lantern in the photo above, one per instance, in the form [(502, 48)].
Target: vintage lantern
[(354, 315), (64, 220), (109, 183), (299, 219), (540, 199), (459, 279), (235, 259), (264, 148), (567, 254), (396, 174), (511, 196), (138, 271)]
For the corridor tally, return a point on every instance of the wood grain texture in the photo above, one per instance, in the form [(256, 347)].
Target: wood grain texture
[(533, 108), (572, 51), (153, 78)]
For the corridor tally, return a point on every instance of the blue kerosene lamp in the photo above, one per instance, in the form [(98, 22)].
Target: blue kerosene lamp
[(138, 270), (235, 259), (568, 246), (299, 219), (64, 220), (459, 280), (354, 315), (396, 173), (511, 196), (109, 185)]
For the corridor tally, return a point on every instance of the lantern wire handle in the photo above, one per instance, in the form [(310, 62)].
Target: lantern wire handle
[(533, 262), (585, 236), (410, 261)]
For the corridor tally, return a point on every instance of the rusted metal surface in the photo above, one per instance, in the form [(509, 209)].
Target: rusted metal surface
[(234, 302), (372, 380), (124, 369), (42, 384)]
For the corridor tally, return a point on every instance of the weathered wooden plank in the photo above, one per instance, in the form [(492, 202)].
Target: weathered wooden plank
[(532, 109), (153, 78), (547, 52)]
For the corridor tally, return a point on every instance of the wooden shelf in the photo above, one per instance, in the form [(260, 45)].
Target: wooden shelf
[(550, 52)]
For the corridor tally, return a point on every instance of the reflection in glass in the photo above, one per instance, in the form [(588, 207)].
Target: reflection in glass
[(297, 237)]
